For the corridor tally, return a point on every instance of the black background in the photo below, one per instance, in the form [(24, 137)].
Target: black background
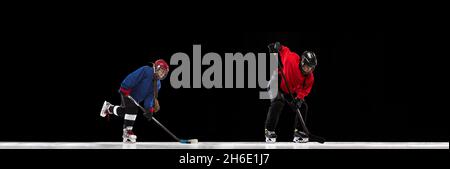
[(374, 82), (363, 91), (60, 63)]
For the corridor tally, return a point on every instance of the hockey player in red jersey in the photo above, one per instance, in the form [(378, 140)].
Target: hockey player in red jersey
[(298, 72)]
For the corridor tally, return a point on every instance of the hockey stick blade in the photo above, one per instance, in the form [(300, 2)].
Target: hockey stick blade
[(190, 141)]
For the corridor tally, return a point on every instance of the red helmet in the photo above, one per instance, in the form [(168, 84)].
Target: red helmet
[(161, 68), (160, 63)]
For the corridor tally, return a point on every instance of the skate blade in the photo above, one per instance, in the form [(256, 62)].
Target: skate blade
[(129, 141), (271, 140), (300, 140)]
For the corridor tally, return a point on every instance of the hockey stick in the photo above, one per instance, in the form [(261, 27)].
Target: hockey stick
[(184, 141), (302, 121)]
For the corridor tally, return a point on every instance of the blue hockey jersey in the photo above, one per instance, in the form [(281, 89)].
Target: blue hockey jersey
[(140, 83)]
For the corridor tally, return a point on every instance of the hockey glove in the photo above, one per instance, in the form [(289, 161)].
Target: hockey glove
[(298, 102), (274, 47), (149, 114)]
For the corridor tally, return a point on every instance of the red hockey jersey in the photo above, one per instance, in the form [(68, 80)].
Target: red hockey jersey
[(299, 84)]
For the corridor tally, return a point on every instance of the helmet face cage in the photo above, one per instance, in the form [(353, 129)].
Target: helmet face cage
[(160, 72), (309, 59), (161, 69)]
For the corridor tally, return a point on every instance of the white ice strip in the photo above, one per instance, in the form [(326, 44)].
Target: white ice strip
[(224, 145)]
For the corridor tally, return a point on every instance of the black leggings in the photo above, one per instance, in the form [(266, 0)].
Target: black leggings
[(275, 109), (128, 110)]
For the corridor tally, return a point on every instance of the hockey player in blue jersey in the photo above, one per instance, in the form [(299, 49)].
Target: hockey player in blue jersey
[(143, 86)]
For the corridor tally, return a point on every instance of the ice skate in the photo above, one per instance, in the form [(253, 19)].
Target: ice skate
[(128, 136), (105, 109), (271, 137), (300, 137)]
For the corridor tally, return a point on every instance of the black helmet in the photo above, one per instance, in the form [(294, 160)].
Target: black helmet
[(309, 58)]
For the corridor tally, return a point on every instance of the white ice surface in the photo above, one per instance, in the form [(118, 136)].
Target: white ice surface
[(224, 145)]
